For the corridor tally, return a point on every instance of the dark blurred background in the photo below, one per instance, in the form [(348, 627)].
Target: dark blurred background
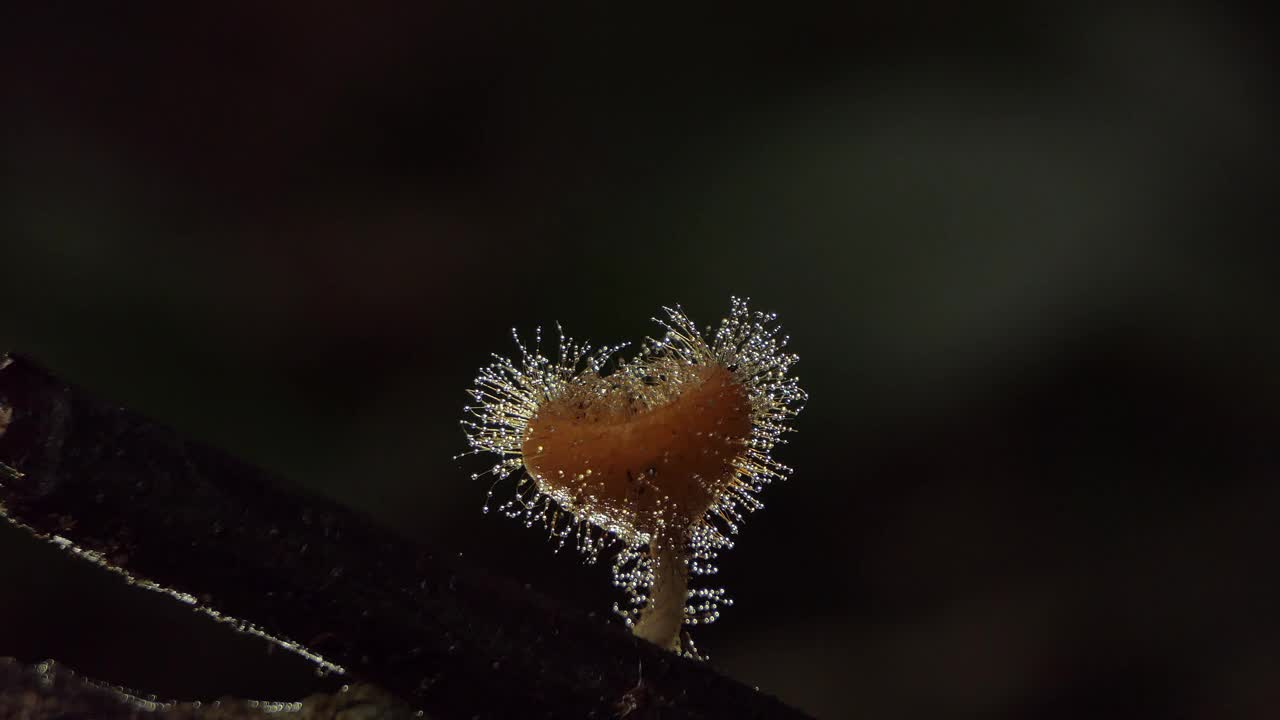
[(1027, 257)]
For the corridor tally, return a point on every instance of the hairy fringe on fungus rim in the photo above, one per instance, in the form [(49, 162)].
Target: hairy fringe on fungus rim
[(660, 457)]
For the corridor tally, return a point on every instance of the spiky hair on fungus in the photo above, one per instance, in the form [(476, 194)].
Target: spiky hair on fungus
[(661, 457)]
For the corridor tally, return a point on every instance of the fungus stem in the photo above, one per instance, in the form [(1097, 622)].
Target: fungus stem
[(662, 619)]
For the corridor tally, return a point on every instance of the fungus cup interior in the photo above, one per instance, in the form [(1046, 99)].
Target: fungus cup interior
[(606, 451)]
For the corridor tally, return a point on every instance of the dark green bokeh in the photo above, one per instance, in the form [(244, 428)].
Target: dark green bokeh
[(1027, 260)]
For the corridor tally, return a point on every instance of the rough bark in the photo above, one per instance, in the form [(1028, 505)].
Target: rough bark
[(50, 691)]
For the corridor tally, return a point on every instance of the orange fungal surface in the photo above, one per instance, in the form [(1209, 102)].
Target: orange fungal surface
[(657, 461), (597, 451)]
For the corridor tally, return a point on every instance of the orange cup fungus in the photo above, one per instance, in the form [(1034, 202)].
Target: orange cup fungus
[(659, 457)]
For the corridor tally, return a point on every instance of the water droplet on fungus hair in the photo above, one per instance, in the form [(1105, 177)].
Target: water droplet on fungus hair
[(659, 458)]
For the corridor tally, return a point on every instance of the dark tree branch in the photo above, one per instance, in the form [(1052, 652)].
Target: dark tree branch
[(226, 537), (49, 691)]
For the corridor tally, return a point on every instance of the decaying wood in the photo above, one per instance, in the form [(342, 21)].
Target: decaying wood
[(49, 691)]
